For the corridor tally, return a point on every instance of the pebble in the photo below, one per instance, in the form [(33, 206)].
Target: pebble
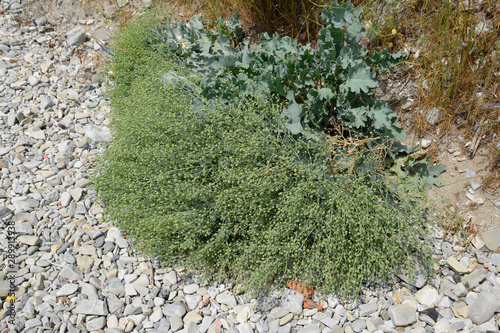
[(402, 315), (67, 289), (76, 269), (425, 143), (491, 238), (96, 308)]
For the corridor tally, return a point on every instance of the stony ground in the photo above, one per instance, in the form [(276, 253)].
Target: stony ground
[(73, 272)]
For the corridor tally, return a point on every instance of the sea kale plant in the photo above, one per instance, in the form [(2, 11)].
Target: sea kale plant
[(335, 79), (220, 157)]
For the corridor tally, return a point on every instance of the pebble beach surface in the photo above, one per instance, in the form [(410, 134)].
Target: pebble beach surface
[(74, 272)]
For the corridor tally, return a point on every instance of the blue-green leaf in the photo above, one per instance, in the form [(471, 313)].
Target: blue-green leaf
[(359, 79), (325, 94), (356, 117), (292, 114)]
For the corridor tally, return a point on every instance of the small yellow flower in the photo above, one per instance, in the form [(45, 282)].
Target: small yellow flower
[(10, 299), (85, 3), (394, 31)]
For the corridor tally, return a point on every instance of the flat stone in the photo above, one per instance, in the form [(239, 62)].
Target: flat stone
[(367, 309), (156, 315), (29, 240), (33, 80), (121, 242), (175, 309), (137, 318), (115, 305), (205, 323), (122, 324), (5, 211), (192, 317), (31, 323), (293, 301), (38, 283), (484, 308), (96, 324), (471, 297), (457, 324), (420, 276), (286, 319), (457, 266), (170, 278), (461, 312), (163, 326), (191, 289), (67, 289), (402, 315), (273, 325), (358, 325), (193, 328), (76, 193), (25, 228), (477, 242), (18, 83), (176, 323), (427, 296), (142, 280), (192, 301), (39, 135), (279, 312), (495, 259), (65, 199), (112, 321), (130, 290), (47, 66), (244, 328), (46, 102), (76, 36), (89, 290), (69, 258), (96, 308), (460, 290), (71, 273), (4, 288), (329, 322), (142, 291), (82, 183), (50, 194), (116, 288), (492, 239), (473, 279), (87, 250), (85, 263), (227, 299), (266, 304)]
